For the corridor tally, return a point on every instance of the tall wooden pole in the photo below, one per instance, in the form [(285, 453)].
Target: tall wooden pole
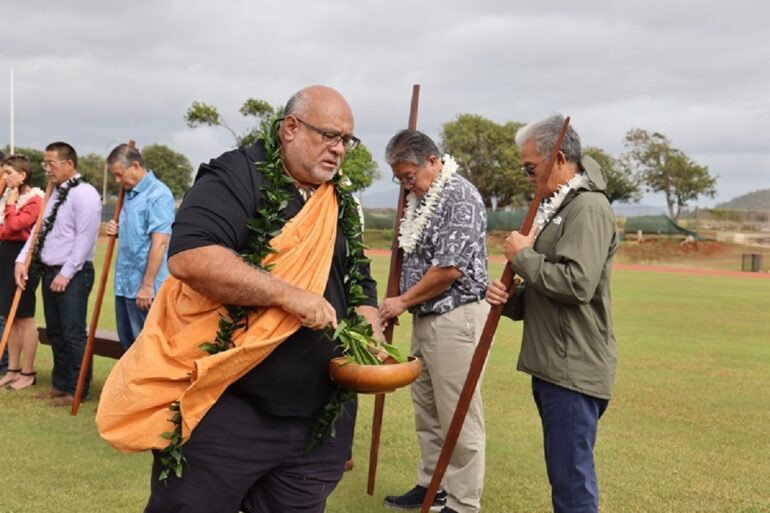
[(88, 351), (27, 262), (485, 342), (396, 256)]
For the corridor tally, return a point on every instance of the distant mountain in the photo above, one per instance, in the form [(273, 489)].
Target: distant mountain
[(757, 200)]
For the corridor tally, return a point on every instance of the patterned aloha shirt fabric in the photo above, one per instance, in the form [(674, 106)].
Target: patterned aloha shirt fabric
[(455, 236)]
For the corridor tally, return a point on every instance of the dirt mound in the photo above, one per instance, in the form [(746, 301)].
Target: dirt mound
[(667, 250), (651, 250)]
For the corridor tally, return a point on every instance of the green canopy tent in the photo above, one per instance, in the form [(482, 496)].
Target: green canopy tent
[(655, 225)]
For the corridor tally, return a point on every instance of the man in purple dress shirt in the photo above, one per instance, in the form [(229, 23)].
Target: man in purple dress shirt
[(66, 247)]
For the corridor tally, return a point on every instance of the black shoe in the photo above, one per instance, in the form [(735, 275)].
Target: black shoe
[(413, 499), (447, 509)]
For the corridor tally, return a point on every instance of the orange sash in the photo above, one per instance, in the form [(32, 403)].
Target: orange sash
[(165, 363)]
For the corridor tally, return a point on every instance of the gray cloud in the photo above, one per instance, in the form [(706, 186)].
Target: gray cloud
[(91, 72)]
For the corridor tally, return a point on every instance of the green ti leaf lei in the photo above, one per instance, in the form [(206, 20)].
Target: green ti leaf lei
[(266, 224), (36, 266)]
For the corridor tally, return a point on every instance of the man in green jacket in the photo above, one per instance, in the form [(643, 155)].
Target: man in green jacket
[(568, 345)]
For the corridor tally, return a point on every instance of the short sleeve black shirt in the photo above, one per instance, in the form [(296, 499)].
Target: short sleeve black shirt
[(293, 380)]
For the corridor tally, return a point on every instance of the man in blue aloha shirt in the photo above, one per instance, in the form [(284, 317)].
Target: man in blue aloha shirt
[(145, 227)]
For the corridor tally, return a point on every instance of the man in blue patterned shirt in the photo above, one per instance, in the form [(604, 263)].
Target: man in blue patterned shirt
[(443, 282), (145, 227)]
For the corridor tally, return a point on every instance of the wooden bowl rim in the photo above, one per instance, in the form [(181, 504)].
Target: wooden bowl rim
[(382, 378)]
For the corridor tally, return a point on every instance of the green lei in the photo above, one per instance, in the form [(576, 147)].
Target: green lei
[(267, 223), (36, 267)]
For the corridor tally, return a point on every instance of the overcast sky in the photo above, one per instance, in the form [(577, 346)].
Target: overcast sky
[(93, 72)]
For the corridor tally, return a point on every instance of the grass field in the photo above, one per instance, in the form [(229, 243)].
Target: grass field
[(687, 430)]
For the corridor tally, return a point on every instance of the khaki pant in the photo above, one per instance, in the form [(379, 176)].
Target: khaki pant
[(445, 344)]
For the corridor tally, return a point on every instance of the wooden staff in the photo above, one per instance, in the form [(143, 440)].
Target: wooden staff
[(396, 257), (27, 262), (485, 342), (88, 351)]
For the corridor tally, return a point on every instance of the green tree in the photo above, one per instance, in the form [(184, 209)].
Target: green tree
[(358, 166), (171, 168), (203, 114), (92, 168), (488, 157), (663, 168), (622, 185), (260, 110)]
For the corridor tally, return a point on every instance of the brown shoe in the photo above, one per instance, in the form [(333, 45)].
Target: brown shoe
[(50, 394), (348, 465), (65, 400)]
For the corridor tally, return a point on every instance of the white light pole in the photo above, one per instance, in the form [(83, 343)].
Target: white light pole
[(12, 143)]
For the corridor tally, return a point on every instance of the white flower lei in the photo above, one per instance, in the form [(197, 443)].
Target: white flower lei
[(550, 205), (418, 212), (20, 201)]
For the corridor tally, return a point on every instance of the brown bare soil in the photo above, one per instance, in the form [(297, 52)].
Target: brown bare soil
[(661, 252), (671, 250), (699, 254)]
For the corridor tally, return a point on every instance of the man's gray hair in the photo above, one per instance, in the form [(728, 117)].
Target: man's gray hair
[(410, 146), (126, 155), (545, 133), (298, 104)]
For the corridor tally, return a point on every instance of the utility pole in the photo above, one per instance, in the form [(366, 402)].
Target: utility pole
[(12, 143)]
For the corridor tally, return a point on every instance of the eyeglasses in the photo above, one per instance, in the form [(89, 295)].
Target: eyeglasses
[(48, 164), (529, 169), (333, 138), (405, 181), (411, 180)]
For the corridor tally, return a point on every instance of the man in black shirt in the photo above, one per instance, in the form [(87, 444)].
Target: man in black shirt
[(248, 450)]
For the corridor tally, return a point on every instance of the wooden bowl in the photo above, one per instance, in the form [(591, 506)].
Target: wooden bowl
[(374, 379)]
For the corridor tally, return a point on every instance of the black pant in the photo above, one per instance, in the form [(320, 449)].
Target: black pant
[(65, 326), (240, 457)]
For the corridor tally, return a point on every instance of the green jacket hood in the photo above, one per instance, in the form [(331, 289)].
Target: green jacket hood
[(598, 182)]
